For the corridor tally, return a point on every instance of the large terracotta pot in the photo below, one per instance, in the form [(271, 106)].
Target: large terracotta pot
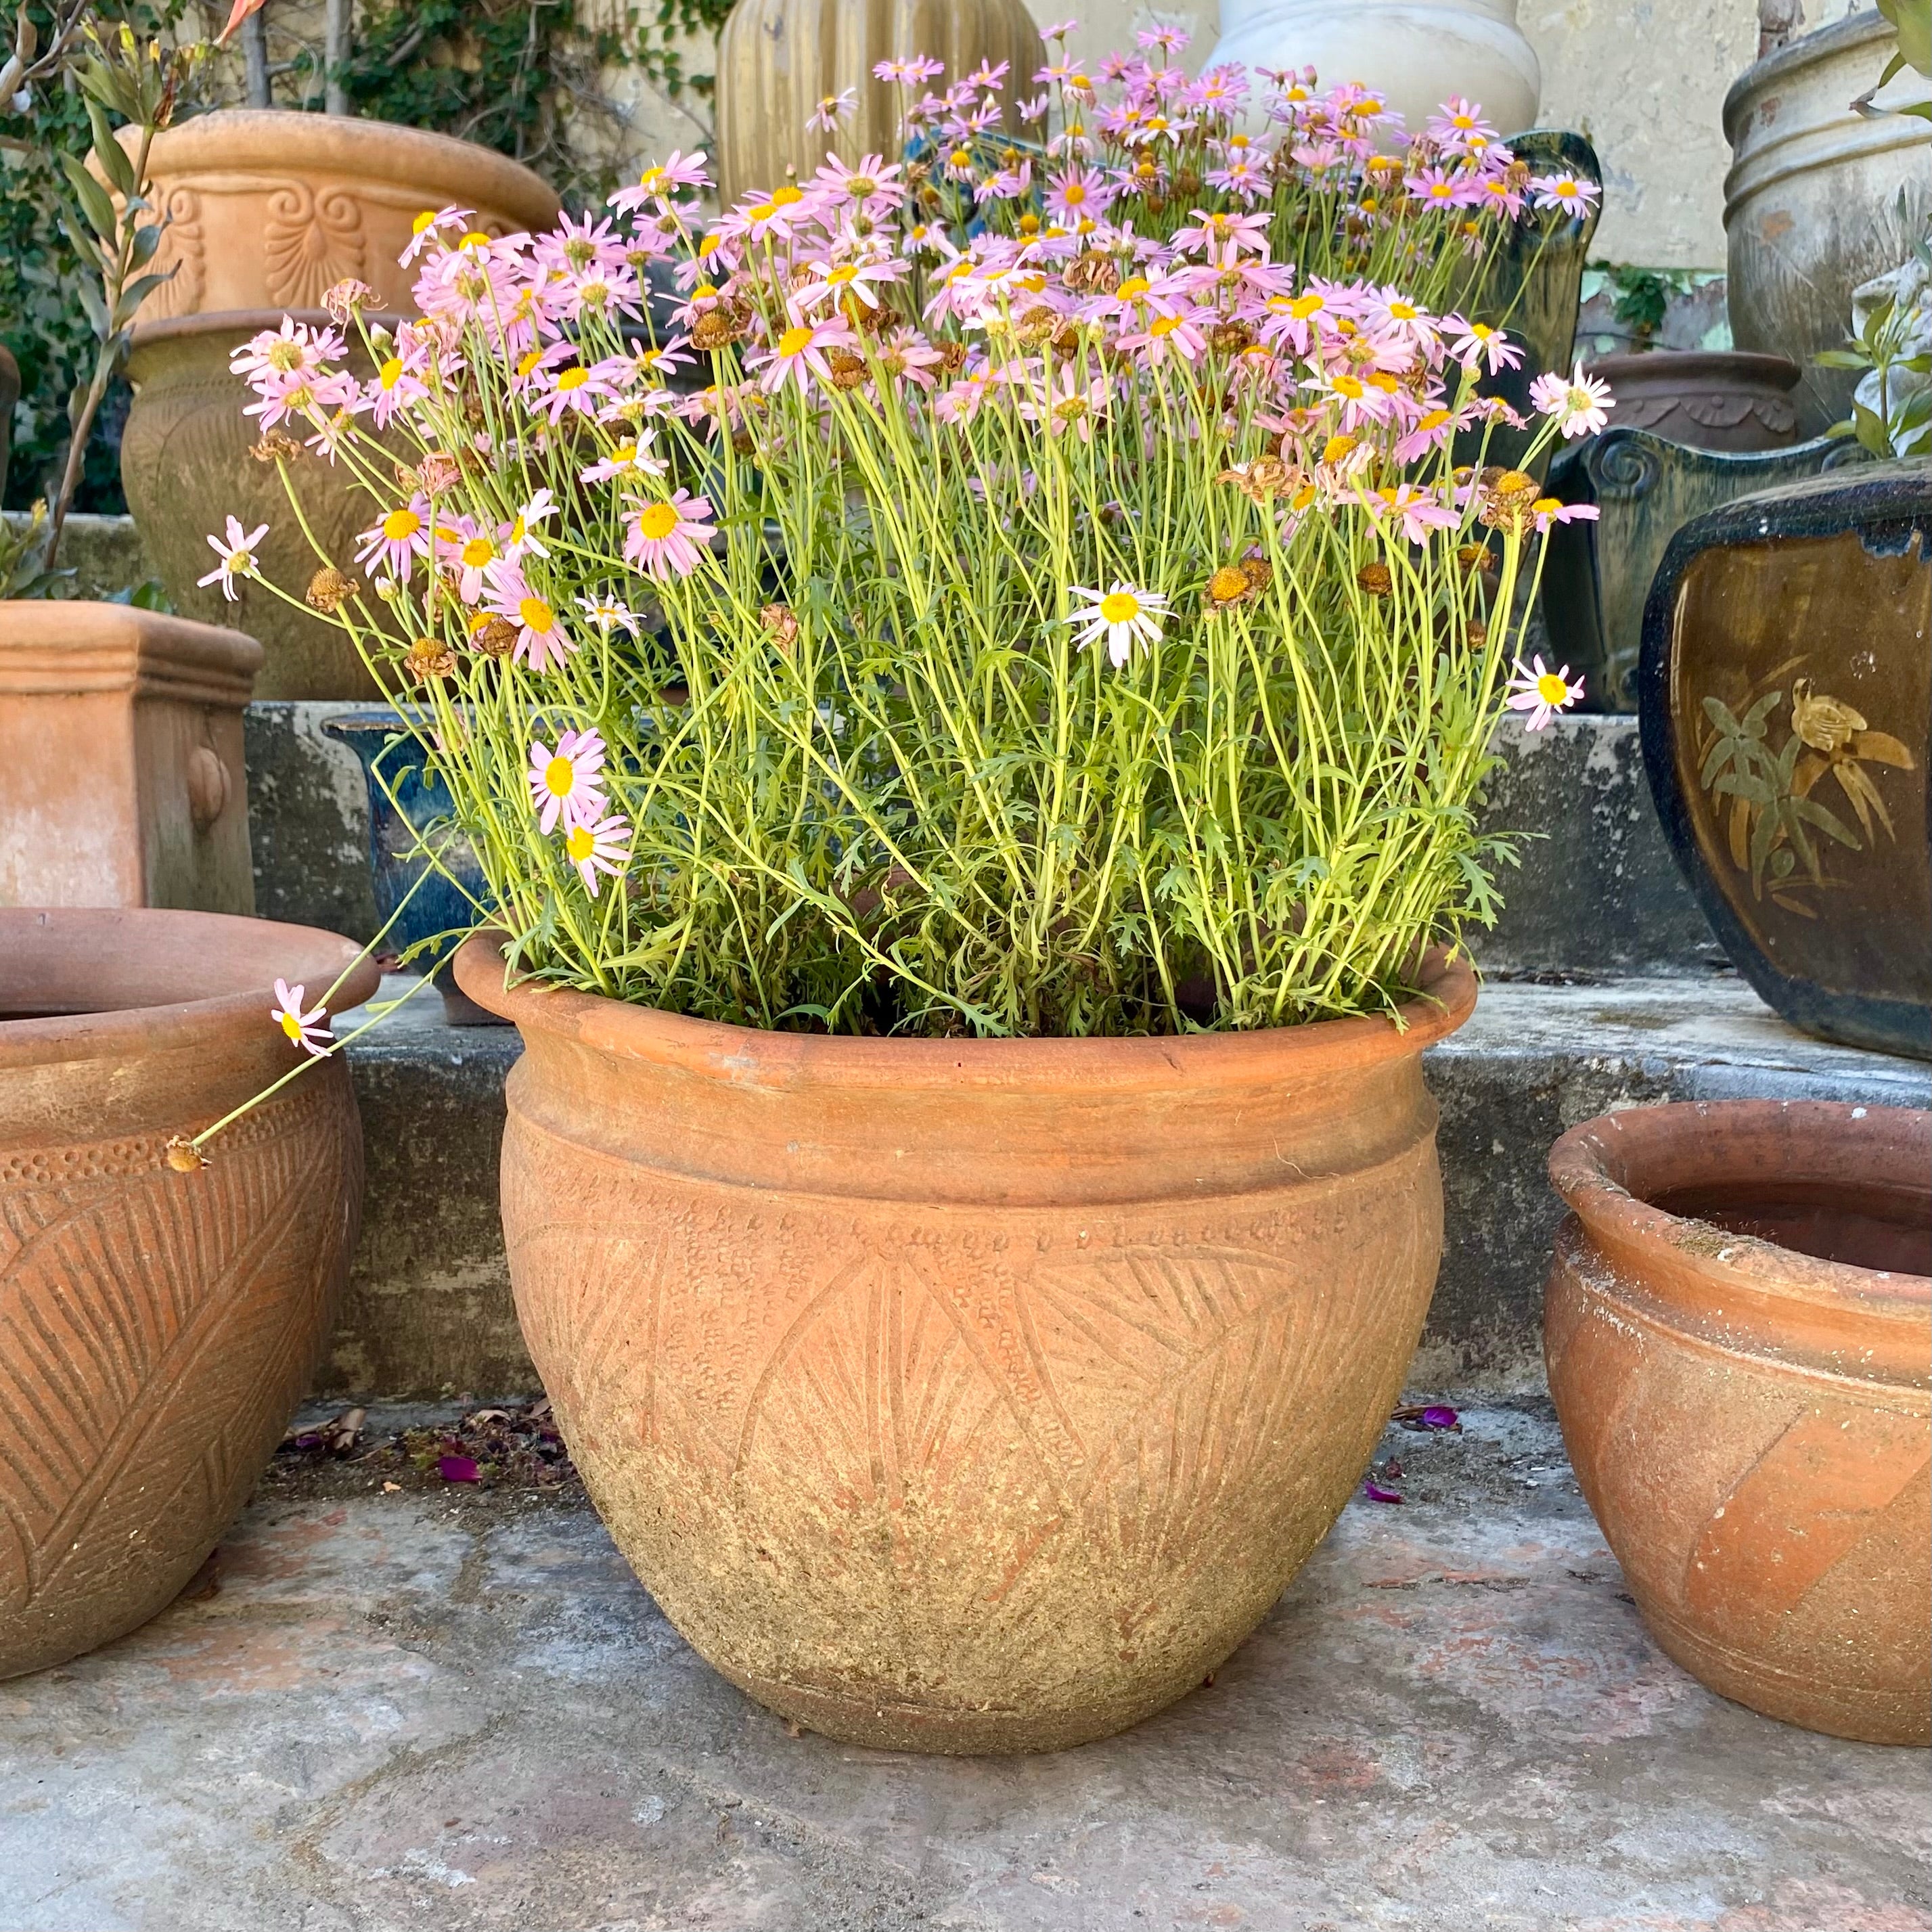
[(1417, 53), (186, 468), (1738, 1329), (1811, 202), (778, 59), (1785, 692), (269, 209), (158, 1327), (121, 775), (966, 1396)]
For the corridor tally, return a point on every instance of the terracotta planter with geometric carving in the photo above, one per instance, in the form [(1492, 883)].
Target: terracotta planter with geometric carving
[(1738, 1331), (967, 1396), (156, 1328), (269, 209)]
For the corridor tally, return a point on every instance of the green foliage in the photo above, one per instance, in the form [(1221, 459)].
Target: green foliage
[(1642, 297), (518, 76)]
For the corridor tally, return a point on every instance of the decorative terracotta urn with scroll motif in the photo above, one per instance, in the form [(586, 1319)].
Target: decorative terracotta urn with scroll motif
[(269, 209)]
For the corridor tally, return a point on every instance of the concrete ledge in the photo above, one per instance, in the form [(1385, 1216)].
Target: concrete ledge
[(429, 1308), (1597, 890)]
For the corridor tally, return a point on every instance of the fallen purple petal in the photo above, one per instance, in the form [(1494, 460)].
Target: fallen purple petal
[(1378, 1492), (457, 1468), (1437, 1416)]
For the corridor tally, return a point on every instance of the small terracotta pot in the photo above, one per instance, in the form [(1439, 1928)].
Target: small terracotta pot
[(968, 1396), (1709, 399), (121, 778), (156, 1328), (186, 468), (267, 208), (1738, 1331)]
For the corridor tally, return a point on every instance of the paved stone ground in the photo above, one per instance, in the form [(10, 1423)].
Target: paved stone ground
[(455, 1711)]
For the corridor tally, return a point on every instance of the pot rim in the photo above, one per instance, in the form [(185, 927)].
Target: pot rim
[(736, 1055), (281, 140), (1593, 1166), (1681, 364), (313, 959), (250, 322)]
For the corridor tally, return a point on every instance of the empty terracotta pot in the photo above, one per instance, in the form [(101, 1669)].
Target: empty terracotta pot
[(156, 1328), (967, 1396), (1738, 1331)]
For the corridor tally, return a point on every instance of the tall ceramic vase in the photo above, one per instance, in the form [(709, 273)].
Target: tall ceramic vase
[(1417, 53), (778, 59)]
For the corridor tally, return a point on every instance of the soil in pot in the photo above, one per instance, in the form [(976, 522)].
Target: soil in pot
[(967, 1396), (156, 1327), (1738, 1331)]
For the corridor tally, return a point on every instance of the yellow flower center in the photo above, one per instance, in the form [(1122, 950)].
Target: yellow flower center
[(1073, 194), (765, 211), (1134, 287), (657, 522), (573, 378), (652, 180), (960, 158), (1163, 325), (391, 372), (709, 246), (536, 614), (786, 197), (579, 843), (793, 340), (838, 276), (424, 223), (1552, 689), (1303, 306), (399, 525), (1435, 419), (1120, 606), (1350, 387), (559, 775), (475, 239), (477, 552), (1337, 449), (1402, 311), (291, 1027), (528, 363)]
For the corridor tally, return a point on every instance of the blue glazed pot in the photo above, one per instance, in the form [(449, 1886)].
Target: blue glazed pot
[(404, 801)]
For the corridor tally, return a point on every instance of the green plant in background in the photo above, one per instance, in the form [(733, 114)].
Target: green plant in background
[(520, 75), (135, 82), (1890, 344), (1913, 20), (1642, 297)]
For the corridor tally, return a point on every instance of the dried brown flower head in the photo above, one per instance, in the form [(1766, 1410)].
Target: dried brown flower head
[(438, 471), (1257, 571), (1266, 476), (1477, 556), (183, 1156), (328, 590), (1231, 336), (1092, 274), (495, 638), (781, 621), (347, 296), (1229, 585), (428, 658), (1508, 499), (953, 356), (275, 447), (848, 371), (718, 328), (1377, 579), (1037, 324)]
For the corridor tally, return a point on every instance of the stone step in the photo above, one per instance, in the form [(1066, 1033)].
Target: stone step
[(1597, 891), (429, 1309)]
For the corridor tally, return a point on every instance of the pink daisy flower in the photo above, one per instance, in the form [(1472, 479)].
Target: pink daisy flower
[(668, 539), (541, 640), (393, 544), (564, 786), (798, 354), (661, 184), (1581, 403), (1542, 692), (602, 847), (237, 555), (309, 1030)]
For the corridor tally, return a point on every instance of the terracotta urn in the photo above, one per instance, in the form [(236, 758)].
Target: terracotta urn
[(968, 1396), (1417, 53), (268, 208), (121, 778), (1738, 1331), (1710, 399), (186, 468), (778, 59), (1820, 197), (159, 1325)]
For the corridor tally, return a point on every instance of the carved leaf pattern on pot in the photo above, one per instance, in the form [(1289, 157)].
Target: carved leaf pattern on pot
[(155, 1328), (1773, 813), (861, 1420), (310, 241), (182, 249)]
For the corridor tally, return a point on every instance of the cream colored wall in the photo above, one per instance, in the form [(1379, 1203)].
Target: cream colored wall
[(1645, 80)]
